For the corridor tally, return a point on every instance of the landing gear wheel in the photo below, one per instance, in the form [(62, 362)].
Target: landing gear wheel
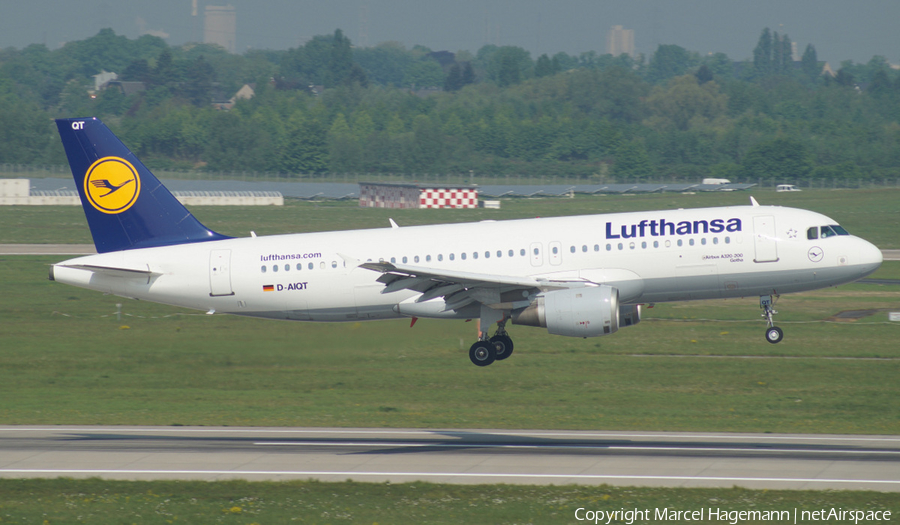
[(774, 334), (504, 346), (483, 353)]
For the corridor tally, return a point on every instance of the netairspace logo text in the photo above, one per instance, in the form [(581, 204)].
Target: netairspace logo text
[(732, 517)]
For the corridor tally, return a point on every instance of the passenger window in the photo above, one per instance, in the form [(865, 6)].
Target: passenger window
[(404, 259), (322, 265), (668, 244), (812, 233), (715, 240), (522, 252), (274, 267), (609, 247), (287, 267), (487, 255), (727, 240), (474, 255), (644, 244), (334, 264), (262, 269), (596, 247), (299, 266), (537, 251), (416, 258), (440, 257), (511, 253), (452, 256), (656, 244), (427, 258), (393, 260), (680, 242), (703, 241), (310, 266), (555, 251), (461, 256), (621, 246), (631, 245), (571, 249)]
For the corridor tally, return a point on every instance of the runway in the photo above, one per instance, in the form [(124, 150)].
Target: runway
[(454, 456)]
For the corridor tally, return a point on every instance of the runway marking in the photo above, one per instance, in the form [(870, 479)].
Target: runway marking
[(563, 446), (443, 475), (587, 434)]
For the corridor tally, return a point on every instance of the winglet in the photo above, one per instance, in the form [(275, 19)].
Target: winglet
[(753, 201)]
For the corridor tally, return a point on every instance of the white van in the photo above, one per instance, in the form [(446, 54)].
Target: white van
[(786, 187)]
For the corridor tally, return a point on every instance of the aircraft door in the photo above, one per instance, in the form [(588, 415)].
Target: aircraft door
[(764, 239), (220, 273), (535, 252), (555, 254)]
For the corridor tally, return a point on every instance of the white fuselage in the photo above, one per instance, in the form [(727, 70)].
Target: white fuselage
[(653, 256)]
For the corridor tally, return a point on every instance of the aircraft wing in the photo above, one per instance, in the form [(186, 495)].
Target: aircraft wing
[(460, 289)]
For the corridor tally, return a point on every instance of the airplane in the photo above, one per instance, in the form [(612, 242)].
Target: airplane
[(579, 276)]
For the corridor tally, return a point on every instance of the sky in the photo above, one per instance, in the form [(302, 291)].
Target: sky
[(839, 29)]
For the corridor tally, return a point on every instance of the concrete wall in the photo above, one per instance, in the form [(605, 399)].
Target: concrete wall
[(17, 192)]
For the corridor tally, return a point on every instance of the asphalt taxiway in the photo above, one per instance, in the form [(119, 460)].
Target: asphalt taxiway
[(772, 461)]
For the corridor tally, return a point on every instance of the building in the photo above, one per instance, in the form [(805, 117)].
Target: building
[(620, 41), (411, 195), (220, 26)]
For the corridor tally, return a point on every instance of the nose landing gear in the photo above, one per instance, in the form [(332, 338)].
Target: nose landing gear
[(774, 334)]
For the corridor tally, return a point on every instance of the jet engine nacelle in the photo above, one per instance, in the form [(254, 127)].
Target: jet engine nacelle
[(575, 312), (629, 315)]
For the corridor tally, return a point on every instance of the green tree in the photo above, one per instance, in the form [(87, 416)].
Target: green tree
[(683, 103), (198, 84), (453, 82), (762, 54), (632, 162), (545, 67), (669, 61), (778, 159), (809, 63), (306, 149), (507, 65)]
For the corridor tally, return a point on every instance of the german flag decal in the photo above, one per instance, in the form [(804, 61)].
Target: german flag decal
[(268, 287)]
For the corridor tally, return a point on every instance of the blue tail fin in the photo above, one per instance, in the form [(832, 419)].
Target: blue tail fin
[(126, 205)]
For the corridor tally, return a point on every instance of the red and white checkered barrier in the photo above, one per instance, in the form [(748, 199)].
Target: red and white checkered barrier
[(448, 198)]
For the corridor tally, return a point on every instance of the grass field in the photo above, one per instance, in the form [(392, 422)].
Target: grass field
[(871, 214), (65, 358), (234, 502)]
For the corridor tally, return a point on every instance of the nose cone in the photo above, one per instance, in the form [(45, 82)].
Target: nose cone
[(867, 258)]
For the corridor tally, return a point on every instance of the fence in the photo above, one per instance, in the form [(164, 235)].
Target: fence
[(35, 172)]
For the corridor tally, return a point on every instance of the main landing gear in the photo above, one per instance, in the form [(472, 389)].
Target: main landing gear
[(773, 333), (487, 350)]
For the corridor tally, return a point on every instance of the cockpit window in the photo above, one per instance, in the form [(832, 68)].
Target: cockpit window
[(812, 233), (834, 229)]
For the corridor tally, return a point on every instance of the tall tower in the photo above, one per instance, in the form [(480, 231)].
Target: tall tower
[(220, 26), (620, 41)]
